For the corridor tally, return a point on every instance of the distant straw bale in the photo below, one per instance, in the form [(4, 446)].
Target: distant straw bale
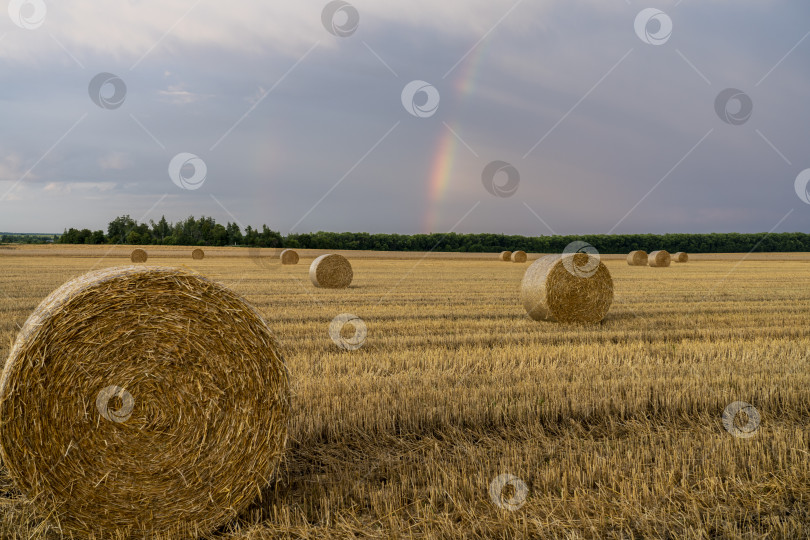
[(505, 256), (578, 290), (138, 255), (519, 256), (680, 257), (198, 254), (659, 259), (289, 256), (331, 271), (637, 258)]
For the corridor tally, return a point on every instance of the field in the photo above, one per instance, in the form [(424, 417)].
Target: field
[(616, 429)]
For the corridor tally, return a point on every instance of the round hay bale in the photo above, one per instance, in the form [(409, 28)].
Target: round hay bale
[(659, 259), (331, 271), (551, 291), (680, 257), (519, 256), (505, 256), (138, 255), (289, 256), (637, 258), (198, 254), (143, 401)]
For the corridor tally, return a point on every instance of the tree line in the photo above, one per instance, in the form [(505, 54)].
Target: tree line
[(205, 231), (27, 238)]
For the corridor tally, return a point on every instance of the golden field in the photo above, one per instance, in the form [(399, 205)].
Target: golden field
[(615, 429)]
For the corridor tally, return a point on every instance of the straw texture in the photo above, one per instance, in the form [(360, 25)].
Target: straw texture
[(680, 257), (138, 255), (550, 291), (659, 259), (140, 401), (637, 258), (519, 256), (505, 256), (331, 271), (198, 254), (289, 256)]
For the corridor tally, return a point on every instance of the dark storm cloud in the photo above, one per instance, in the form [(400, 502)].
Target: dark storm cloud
[(281, 111)]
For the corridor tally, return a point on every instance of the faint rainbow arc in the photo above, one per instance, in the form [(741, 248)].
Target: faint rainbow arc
[(441, 167)]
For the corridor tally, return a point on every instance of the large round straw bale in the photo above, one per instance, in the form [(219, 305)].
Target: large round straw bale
[(637, 258), (138, 255), (331, 271), (680, 257), (659, 258), (505, 256), (519, 256), (578, 289), (143, 401), (198, 254), (289, 256)]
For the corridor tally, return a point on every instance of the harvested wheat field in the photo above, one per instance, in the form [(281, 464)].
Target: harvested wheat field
[(611, 430)]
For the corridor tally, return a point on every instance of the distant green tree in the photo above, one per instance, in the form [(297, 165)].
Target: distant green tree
[(119, 228), (160, 230)]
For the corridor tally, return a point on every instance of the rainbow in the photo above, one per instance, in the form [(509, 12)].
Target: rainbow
[(441, 166), (439, 177)]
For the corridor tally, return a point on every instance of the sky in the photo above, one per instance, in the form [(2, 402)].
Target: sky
[(519, 117)]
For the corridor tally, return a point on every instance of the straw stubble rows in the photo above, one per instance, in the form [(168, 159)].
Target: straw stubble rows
[(615, 428)]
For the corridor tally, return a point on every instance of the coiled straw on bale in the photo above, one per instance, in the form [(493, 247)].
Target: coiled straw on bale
[(680, 257), (331, 271), (198, 254), (579, 290), (289, 256), (637, 258), (659, 258), (138, 255), (143, 401), (519, 256), (505, 256)]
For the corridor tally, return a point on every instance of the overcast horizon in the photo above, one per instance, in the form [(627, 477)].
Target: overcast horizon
[(544, 117)]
